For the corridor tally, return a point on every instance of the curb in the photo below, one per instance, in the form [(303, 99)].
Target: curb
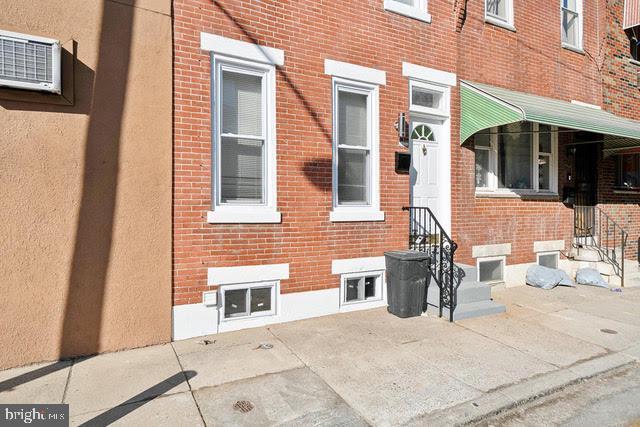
[(503, 399)]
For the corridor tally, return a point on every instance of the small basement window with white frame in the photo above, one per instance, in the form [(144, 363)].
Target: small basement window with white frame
[(491, 269), (361, 287), (250, 300), (416, 9), (571, 23), (499, 12), (548, 259), (515, 159)]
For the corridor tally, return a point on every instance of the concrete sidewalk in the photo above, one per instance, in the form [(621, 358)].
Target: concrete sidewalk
[(359, 368)]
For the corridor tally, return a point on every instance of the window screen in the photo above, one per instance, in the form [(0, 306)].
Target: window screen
[(242, 141), (353, 149), (570, 23), (514, 156), (548, 260), (497, 8), (235, 303), (491, 271)]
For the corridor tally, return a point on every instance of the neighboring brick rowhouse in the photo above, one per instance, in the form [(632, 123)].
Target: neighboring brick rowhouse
[(621, 96), (457, 40)]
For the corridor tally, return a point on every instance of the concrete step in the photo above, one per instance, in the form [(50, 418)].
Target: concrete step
[(475, 309), (468, 292)]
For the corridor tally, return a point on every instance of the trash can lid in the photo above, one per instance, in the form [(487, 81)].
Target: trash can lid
[(407, 255)]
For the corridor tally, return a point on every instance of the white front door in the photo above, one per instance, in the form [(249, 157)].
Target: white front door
[(426, 162)]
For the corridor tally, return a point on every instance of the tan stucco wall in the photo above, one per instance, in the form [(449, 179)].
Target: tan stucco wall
[(85, 190)]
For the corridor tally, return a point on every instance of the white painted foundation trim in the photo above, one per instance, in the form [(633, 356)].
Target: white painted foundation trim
[(415, 12), (239, 49), (342, 215), (194, 320), (357, 265), (249, 216), (426, 74), (483, 251), (354, 72), (246, 274), (548, 246)]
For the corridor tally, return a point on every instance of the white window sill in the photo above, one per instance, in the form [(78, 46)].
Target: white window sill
[(516, 194), (406, 10), (634, 62), (499, 23), (573, 48), (354, 215), (248, 215)]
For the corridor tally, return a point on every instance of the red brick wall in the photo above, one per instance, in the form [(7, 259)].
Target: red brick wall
[(531, 60), (309, 32), (621, 96)]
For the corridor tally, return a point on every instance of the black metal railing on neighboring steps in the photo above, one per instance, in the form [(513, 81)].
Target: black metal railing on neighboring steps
[(427, 235), (593, 228)]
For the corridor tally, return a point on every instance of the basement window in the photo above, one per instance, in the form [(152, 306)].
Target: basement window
[(491, 270), (248, 300), (361, 287), (548, 259)]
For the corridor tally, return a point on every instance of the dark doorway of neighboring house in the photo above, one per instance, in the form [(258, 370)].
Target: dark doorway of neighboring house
[(586, 184), (586, 177)]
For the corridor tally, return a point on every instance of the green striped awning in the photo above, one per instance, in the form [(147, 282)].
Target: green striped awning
[(485, 106)]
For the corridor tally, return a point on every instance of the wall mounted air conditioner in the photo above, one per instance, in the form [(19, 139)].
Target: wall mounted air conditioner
[(29, 62)]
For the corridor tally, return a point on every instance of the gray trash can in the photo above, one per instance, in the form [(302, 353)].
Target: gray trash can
[(407, 273)]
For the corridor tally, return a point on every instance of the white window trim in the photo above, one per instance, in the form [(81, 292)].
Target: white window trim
[(245, 213), (493, 190), (379, 287), (275, 291), (371, 211), (497, 20), (556, 253), (357, 265), (217, 276), (502, 258), (419, 11), (579, 47), (239, 49)]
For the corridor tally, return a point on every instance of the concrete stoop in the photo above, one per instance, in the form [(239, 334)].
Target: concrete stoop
[(474, 298), (591, 258)]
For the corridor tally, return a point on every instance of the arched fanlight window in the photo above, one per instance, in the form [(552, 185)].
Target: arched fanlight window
[(422, 133)]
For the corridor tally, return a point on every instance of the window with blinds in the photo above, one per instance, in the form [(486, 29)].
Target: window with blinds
[(242, 138), (353, 148)]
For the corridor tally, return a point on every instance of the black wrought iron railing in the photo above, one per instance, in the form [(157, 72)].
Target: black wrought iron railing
[(593, 228), (427, 235)]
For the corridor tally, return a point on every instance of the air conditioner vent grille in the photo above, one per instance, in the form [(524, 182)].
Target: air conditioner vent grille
[(26, 61)]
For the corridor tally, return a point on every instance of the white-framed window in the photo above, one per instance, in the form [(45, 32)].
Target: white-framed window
[(416, 9), (571, 23), (248, 300), (627, 171), (428, 98), (243, 98), (355, 149), (548, 259), (499, 12), (491, 269), (361, 287), (519, 158)]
